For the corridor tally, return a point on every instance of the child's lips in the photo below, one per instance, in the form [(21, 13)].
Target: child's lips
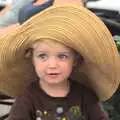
[(53, 75)]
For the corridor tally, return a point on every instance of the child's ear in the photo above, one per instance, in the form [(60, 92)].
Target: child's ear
[(78, 60), (28, 53), (32, 61), (75, 62)]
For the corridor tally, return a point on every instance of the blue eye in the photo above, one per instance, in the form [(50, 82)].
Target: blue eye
[(43, 56), (63, 56)]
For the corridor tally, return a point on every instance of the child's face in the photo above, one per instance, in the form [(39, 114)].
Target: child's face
[(53, 61)]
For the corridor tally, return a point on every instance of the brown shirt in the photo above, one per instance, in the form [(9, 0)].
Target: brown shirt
[(81, 103)]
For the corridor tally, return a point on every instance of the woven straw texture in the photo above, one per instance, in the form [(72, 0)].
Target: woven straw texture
[(74, 26)]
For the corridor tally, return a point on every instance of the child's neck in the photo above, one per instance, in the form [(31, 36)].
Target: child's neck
[(56, 90)]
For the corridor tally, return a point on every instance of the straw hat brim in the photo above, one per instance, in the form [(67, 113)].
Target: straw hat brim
[(74, 26)]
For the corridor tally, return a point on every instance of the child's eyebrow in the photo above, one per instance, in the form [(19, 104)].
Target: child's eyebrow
[(40, 51)]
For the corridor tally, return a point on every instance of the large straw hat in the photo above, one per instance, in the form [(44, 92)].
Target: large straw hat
[(74, 26)]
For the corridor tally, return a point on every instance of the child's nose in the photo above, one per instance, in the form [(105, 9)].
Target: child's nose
[(52, 62)]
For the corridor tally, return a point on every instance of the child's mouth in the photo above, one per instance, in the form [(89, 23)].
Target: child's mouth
[(53, 74)]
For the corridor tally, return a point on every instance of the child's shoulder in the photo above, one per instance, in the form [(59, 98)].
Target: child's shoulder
[(32, 88), (86, 91), (80, 86)]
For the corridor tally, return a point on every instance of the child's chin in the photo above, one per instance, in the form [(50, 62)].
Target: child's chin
[(53, 82)]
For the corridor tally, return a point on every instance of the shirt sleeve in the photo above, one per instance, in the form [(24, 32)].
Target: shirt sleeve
[(94, 107), (21, 109)]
